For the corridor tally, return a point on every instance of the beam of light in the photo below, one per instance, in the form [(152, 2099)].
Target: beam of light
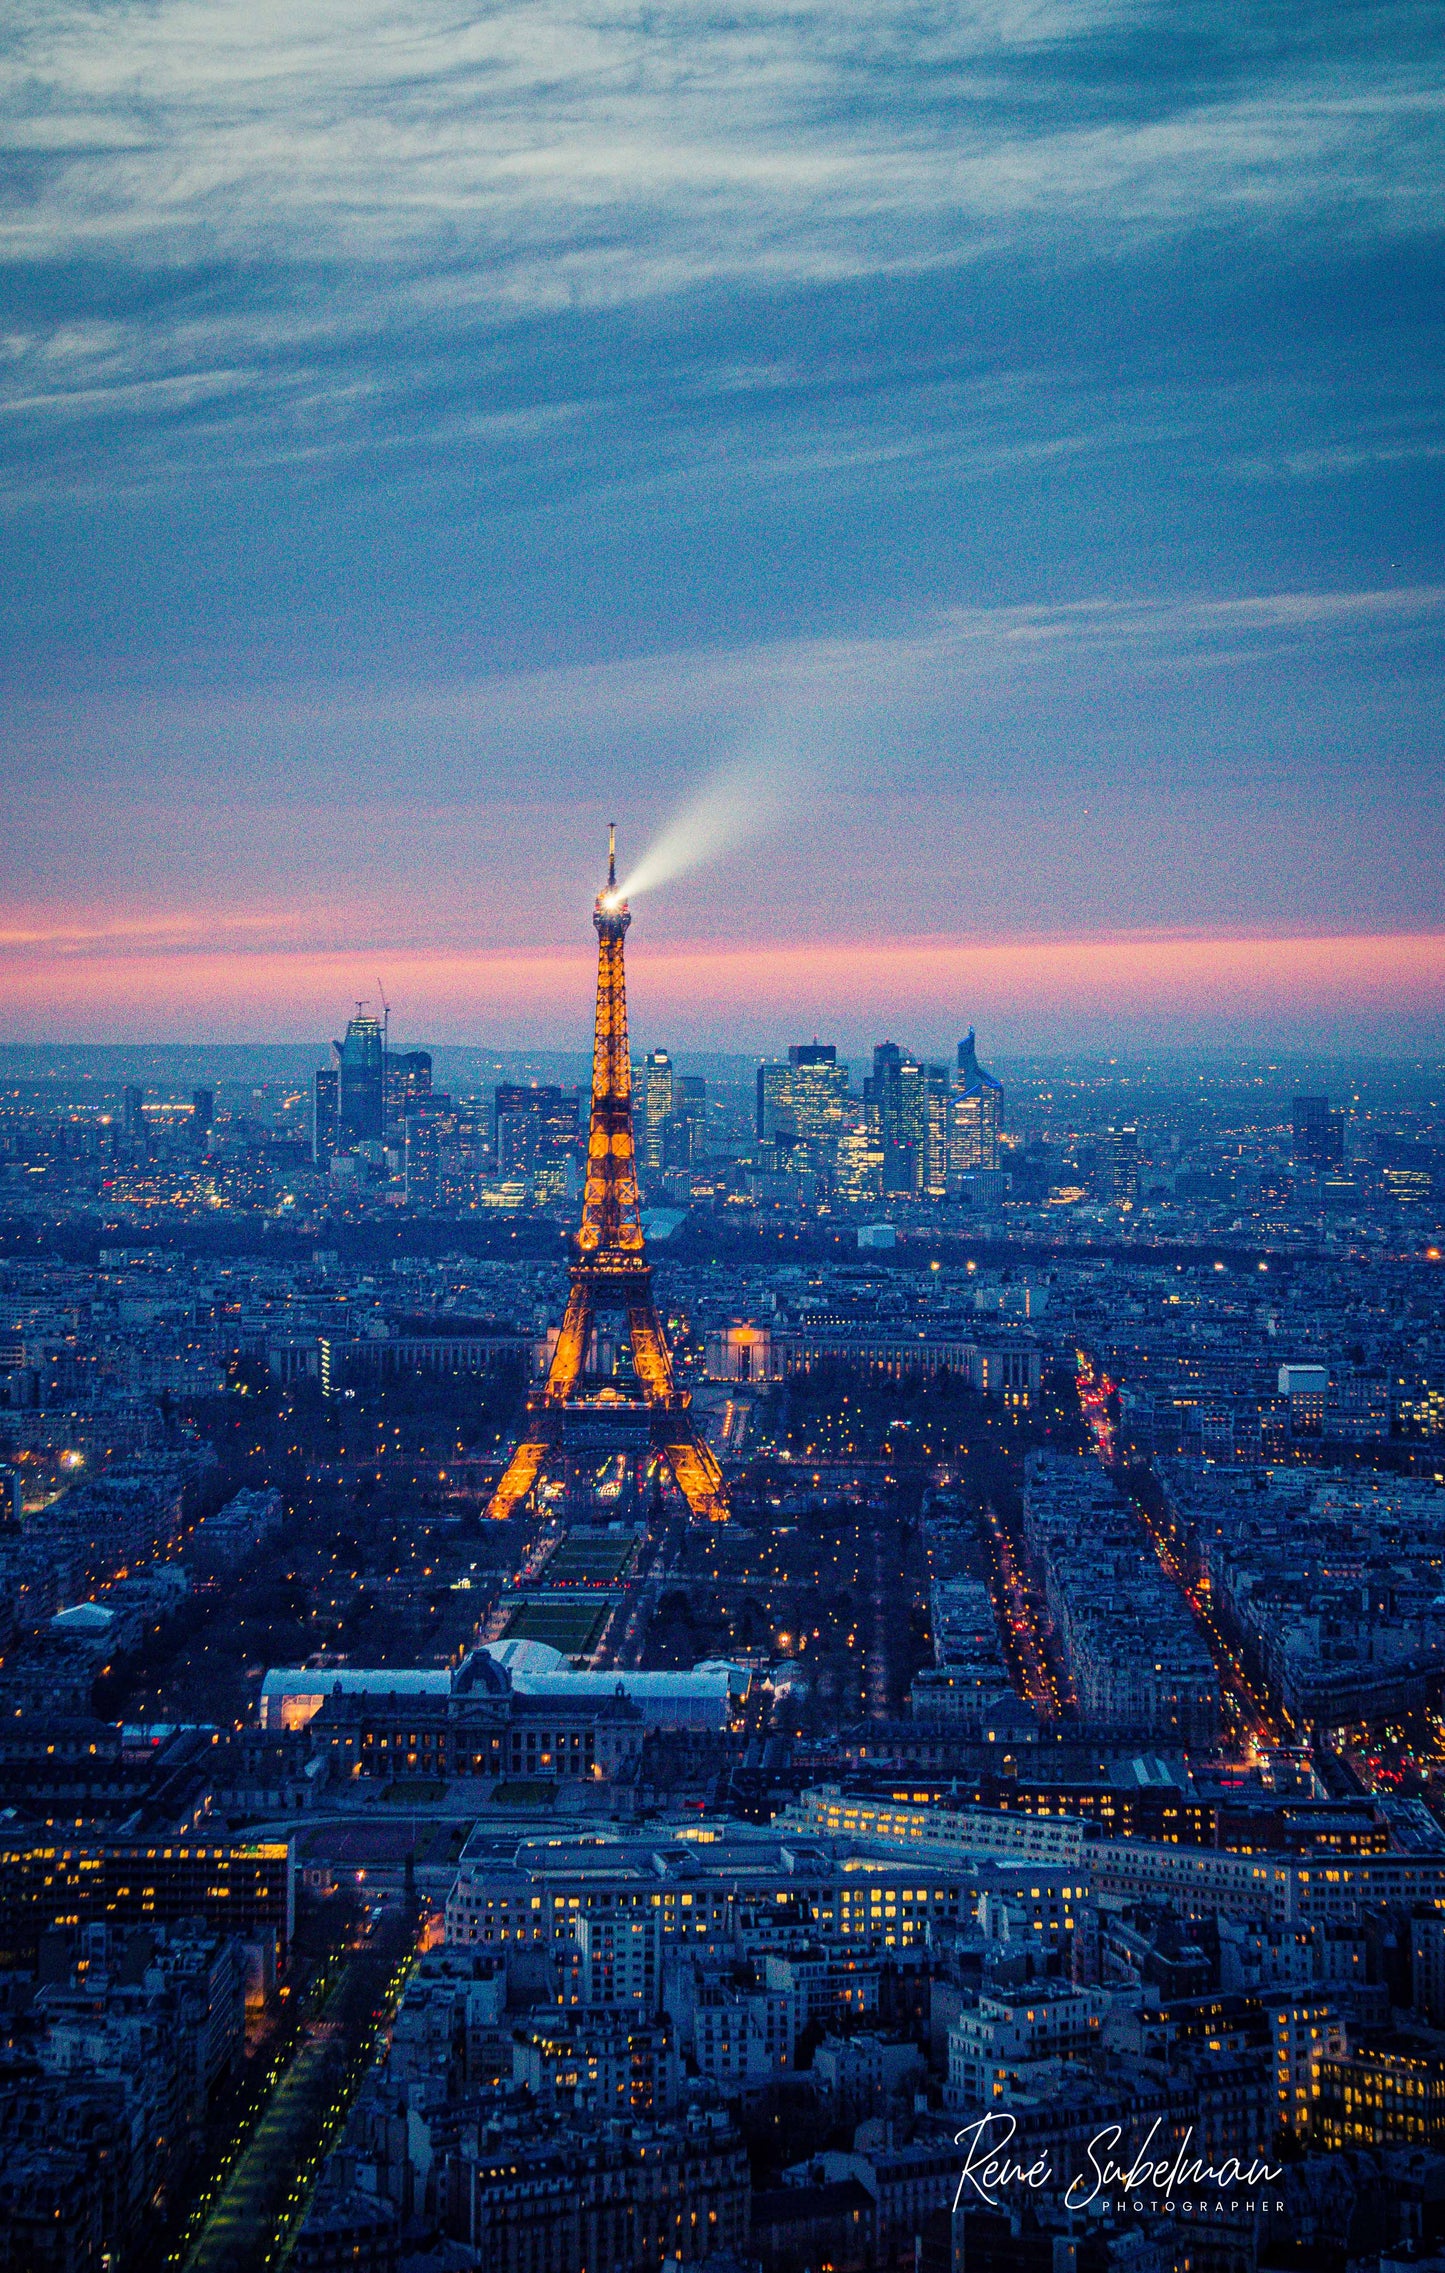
[(162, 934), (748, 799)]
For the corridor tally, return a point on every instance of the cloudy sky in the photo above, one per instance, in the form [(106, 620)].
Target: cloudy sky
[(1000, 443)]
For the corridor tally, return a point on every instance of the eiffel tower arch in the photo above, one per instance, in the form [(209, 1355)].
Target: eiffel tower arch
[(610, 1273)]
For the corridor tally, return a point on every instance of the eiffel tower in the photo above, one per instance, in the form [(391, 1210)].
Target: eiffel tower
[(610, 1272)]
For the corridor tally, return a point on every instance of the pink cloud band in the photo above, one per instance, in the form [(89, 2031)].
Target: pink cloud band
[(114, 991)]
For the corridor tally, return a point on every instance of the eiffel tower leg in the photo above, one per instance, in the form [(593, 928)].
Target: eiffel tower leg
[(695, 1471), (650, 1361), (518, 1477), (570, 1355), (563, 1375), (698, 1476)]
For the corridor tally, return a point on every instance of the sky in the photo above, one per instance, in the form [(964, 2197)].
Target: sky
[(984, 464)]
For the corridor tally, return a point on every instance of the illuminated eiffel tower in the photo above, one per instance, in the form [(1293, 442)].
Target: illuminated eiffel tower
[(611, 1273)]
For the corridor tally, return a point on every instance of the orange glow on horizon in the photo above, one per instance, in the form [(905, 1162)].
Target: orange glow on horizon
[(263, 990)]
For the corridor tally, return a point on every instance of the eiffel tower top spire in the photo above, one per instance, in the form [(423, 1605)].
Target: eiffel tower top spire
[(611, 1206)]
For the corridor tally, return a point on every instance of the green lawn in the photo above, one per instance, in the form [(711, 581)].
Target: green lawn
[(571, 1627), (588, 1562)]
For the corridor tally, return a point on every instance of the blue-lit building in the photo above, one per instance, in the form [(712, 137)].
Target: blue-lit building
[(977, 1113), (360, 1062)]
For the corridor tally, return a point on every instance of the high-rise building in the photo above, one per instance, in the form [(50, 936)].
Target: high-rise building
[(133, 1121), (858, 1177), (907, 1104), (1319, 1134), (533, 1122), (804, 1101), (819, 1088), (884, 1100), (679, 1138), (658, 1085), (421, 1157), (203, 1118), (880, 1089), (976, 1115), (1121, 1164), (775, 1104), (684, 1132), (408, 1077), (934, 1097), (324, 1085), (366, 1093), (360, 1062), (463, 1135)]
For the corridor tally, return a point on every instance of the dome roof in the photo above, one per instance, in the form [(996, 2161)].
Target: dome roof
[(482, 1676)]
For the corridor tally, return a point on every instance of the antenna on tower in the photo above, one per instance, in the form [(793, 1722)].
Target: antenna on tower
[(612, 856), (385, 1052)]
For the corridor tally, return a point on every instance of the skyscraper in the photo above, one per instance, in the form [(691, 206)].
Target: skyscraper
[(657, 1098), (684, 1131), (689, 1105), (368, 1092), (977, 1113), (203, 1117), (324, 1085), (859, 1172), (1319, 1134), (678, 1136), (533, 1122), (360, 1062), (133, 1122), (884, 1099), (882, 1083), (408, 1077), (421, 1158), (818, 1085), (804, 1101), (1121, 1164), (933, 1132), (907, 1105), (775, 1104)]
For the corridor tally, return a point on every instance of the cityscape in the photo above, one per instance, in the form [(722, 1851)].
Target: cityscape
[(722, 1137), (658, 1666)]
